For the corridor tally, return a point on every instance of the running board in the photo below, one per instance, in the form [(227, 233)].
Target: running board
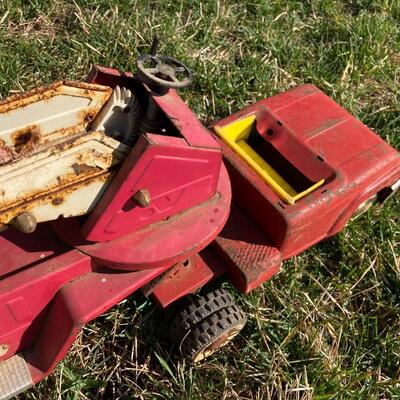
[(14, 377)]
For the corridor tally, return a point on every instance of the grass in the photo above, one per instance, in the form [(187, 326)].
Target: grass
[(327, 327)]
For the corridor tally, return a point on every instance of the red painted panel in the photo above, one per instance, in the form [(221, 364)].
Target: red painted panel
[(25, 296), (176, 177), (184, 278), (68, 313), (19, 250), (250, 258)]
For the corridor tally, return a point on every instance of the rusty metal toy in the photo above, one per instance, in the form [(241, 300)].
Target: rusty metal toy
[(113, 185)]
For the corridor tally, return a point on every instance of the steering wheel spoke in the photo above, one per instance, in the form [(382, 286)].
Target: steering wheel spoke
[(179, 69), (174, 78), (150, 70)]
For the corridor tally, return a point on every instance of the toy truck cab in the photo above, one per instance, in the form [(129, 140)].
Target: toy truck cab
[(300, 167)]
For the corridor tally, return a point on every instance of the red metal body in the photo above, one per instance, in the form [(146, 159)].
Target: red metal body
[(319, 139), (121, 247)]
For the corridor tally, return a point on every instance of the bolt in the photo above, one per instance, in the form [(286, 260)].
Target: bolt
[(25, 222), (142, 198), (3, 350)]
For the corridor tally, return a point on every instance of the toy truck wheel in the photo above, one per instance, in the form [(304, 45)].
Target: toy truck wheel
[(212, 333), (196, 307), (206, 323)]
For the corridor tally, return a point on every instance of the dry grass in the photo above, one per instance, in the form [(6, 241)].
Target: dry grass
[(327, 327)]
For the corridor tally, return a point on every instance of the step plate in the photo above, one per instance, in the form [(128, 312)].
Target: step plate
[(14, 377), (250, 257)]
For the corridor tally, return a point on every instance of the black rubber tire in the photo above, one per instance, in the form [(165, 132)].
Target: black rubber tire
[(195, 308), (212, 333)]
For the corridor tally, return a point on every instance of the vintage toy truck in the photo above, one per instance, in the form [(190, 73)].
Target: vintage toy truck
[(113, 185)]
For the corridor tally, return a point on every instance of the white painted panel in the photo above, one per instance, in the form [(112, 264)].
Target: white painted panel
[(58, 112)]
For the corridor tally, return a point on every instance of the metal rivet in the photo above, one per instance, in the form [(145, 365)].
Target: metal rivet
[(25, 222), (142, 198), (3, 350)]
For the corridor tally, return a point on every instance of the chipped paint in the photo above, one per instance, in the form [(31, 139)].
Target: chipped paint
[(65, 179), (18, 100), (47, 114), (26, 139)]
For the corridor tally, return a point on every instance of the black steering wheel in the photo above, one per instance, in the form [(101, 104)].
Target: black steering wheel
[(164, 71)]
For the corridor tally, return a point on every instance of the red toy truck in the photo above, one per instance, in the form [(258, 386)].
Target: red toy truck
[(113, 185)]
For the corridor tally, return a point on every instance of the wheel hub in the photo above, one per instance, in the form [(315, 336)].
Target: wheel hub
[(165, 69), (219, 342)]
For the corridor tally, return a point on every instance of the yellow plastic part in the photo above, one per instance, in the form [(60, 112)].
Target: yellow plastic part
[(235, 136)]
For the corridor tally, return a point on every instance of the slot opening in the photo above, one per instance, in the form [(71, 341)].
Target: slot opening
[(268, 152), (283, 177)]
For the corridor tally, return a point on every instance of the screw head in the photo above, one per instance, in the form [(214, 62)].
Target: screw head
[(25, 222), (3, 349), (142, 198)]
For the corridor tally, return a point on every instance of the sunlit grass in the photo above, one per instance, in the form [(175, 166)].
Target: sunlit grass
[(328, 326)]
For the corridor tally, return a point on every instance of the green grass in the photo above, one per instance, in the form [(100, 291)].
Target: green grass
[(328, 326)]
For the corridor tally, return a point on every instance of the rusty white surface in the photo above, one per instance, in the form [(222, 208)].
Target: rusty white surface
[(66, 179), (14, 377), (50, 112), (50, 164)]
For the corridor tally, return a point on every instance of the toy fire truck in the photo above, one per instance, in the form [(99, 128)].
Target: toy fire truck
[(113, 185)]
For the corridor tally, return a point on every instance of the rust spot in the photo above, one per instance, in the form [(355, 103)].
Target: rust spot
[(9, 211), (88, 87), (68, 142), (80, 169), (6, 153), (23, 99), (219, 342), (26, 139), (45, 92), (308, 89), (87, 116), (57, 201)]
